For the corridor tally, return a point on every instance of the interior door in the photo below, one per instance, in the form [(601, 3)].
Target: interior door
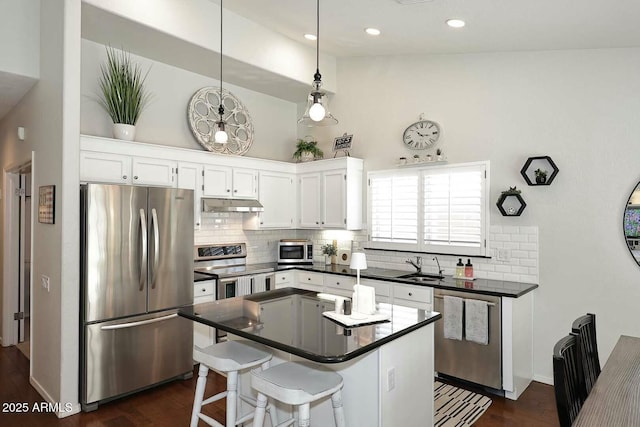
[(170, 248), (114, 220)]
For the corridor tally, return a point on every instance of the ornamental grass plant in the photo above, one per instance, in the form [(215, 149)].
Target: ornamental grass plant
[(122, 91)]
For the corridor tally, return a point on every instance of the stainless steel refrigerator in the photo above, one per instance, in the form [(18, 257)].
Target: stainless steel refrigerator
[(136, 270)]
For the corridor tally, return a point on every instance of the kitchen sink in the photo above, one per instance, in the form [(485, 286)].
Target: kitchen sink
[(422, 277)]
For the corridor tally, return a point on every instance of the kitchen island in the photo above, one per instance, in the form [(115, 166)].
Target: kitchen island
[(387, 367)]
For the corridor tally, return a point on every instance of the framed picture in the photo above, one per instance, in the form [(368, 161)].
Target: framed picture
[(47, 204), (342, 142)]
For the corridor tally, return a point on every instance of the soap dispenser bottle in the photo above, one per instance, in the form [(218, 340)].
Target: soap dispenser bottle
[(468, 269), (459, 268)]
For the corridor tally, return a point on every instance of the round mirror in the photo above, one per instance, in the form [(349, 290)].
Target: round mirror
[(631, 223)]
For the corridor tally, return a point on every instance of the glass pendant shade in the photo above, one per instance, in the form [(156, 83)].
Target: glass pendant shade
[(317, 111)]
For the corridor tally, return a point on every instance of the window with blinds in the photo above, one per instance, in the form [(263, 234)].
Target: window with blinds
[(440, 209)]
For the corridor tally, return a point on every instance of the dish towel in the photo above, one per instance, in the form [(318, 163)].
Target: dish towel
[(244, 286), (453, 318), (476, 326)]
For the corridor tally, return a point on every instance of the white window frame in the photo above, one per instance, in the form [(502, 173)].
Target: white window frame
[(421, 246)]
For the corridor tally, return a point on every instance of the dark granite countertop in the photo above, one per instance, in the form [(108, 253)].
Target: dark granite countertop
[(500, 288), (291, 320)]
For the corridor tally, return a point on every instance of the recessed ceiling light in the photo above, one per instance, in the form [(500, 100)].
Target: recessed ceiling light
[(455, 23), (372, 31), (310, 37)]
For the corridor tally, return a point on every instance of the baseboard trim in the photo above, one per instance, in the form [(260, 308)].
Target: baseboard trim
[(62, 409), (543, 379)]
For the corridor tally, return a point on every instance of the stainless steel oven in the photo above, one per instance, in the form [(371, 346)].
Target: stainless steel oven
[(234, 277)]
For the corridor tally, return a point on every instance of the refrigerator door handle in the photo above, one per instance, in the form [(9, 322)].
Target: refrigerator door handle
[(143, 257), (140, 323), (156, 247)]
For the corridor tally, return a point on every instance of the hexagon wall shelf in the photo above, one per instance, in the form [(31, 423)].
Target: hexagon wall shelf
[(539, 162), (511, 204)]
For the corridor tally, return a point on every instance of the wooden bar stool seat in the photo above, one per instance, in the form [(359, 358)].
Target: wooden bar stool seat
[(229, 358), (297, 383)]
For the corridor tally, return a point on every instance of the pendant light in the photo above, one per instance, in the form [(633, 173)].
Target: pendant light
[(220, 137), (317, 111)]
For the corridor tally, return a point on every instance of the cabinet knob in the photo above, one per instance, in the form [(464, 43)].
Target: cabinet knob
[(235, 191), (308, 278), (322, 222), (317, 305), (204, 289), (261, 308), (124, 176), (338, 283), (135, 177), (410, 294), (316, 222), (228, 191)]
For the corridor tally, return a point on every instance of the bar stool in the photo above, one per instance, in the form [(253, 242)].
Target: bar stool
[(297, 383), (228, 357)]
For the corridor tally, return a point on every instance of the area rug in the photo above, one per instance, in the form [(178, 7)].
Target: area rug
[(457, 407)]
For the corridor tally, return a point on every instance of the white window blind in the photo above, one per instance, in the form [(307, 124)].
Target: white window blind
[(440, 209), (394, 208)]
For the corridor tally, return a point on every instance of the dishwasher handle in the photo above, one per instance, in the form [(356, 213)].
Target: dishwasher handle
[(490, 304)]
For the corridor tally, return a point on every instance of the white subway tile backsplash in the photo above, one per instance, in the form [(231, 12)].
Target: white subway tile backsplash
[(501, 237)]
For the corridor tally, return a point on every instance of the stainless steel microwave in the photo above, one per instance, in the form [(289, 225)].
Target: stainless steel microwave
[(295, 252)]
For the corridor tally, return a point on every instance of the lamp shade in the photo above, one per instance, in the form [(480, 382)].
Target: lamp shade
[(358, 261)]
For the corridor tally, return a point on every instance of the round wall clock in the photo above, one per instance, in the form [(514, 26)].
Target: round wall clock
[(422, 134), (202, 114)]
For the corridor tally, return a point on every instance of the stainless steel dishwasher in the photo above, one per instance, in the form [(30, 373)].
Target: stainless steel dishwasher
[(480, 364)]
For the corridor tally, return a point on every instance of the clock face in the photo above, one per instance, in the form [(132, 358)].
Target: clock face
[(203, 114), (422, 134)]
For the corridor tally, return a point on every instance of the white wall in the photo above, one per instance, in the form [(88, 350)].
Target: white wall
[(50, 114), (165, 120), (579, 107), (19, 44)]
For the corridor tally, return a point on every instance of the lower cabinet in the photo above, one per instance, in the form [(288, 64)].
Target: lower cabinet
[(203, 292), (277, 314)]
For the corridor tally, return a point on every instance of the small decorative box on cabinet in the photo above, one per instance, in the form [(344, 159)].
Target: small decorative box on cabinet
[(536, 169), (511, 203)]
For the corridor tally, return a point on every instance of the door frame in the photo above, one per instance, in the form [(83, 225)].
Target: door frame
[(11, 245)]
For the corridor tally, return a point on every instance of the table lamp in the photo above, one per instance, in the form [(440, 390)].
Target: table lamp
[(358, 262)]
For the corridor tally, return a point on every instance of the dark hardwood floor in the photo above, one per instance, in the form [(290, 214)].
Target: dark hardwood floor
[(170, 405)]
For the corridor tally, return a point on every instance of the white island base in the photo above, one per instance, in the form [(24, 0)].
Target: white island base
[(390, 386)]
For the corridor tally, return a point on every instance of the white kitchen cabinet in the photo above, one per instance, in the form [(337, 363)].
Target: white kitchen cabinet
[(122, 169), (330, 194), (190, 177), (318, 335), (309, 280), (277, 193), (280, 317), (283, 279), (383, 289), (339, 285), (223, 181), (420, 297), (154, 172), (203, 292), (105, 167)]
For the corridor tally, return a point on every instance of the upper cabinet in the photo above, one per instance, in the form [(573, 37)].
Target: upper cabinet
[(330, 194), (275, 195), (223, 181), (319, 194), (122, 169)]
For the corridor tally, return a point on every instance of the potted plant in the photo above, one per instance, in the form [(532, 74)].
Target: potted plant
[(122, 92), (307, 151), (541, 176), (330, 252), (439, 156)]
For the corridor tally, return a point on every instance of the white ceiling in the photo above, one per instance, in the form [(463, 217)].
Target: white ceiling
[(12, 88), (492, 25)]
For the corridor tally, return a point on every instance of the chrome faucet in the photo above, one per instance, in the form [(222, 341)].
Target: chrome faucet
[(417, 264), (440, 271)]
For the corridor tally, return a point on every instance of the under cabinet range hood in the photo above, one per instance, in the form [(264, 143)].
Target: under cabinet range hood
[(231, 205)]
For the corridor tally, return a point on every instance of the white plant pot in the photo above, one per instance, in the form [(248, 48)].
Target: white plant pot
[(327, 259), (123, 131), (307, 156)]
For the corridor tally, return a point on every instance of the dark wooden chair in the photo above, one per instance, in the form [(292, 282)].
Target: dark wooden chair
[(567, 379), (584, 328)]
